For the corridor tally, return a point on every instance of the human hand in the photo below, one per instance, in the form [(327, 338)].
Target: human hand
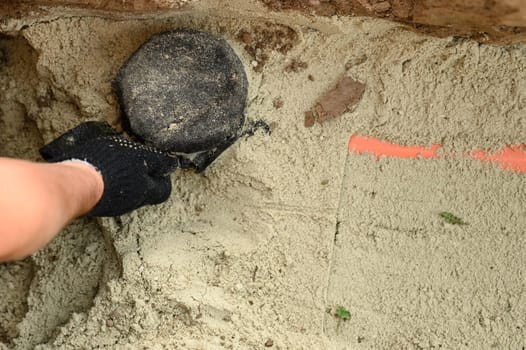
[(134, 175)]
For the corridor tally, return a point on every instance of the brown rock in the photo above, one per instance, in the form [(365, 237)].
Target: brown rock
[(246, 37), (382, 7), (309, 119), (273, 126), (403, 9), (321, 115), (336, 101)]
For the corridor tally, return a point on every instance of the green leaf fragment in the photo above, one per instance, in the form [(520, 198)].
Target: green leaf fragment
[(343, 313), (451, 219)]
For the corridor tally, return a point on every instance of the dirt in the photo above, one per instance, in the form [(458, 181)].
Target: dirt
[(106, 5), (295, 66), (496, 21), (321, 8), (284, 228), (262, 39), (277, 103)]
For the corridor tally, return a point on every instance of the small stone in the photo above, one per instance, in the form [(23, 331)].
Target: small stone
[(92, 248), (321, 115), (360, 339), (246, 38), (402, 8), (309, 119), (382, 7), (269, 343), (77, 318)]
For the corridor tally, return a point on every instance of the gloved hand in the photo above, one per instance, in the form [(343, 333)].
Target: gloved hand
[(134, 175)]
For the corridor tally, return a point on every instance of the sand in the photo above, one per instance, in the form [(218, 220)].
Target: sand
[(260, 250)]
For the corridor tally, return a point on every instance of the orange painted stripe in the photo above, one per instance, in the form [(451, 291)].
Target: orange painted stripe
[(509, 157), (362, 144)]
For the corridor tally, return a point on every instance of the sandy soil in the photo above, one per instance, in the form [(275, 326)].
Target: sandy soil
[(282, 229)]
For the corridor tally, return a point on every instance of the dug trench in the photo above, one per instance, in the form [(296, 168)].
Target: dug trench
[(93, 277), (42, 292)]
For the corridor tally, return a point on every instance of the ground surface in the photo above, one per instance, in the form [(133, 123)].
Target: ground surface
[(283, 229)]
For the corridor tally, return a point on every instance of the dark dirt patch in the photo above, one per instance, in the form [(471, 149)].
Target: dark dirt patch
[(13, 9), (483, 21), (260, 40), (23, 7), (296, 66), (277, 103), (401, 9)]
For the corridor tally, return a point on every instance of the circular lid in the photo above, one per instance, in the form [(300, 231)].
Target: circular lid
[(183, 91)]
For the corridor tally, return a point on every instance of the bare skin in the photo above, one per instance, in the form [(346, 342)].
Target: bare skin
[(37, 200)]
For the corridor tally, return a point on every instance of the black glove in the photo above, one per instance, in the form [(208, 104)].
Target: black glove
[(134, 175)]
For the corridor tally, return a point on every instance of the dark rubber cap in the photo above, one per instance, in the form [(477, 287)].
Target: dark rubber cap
[(183, 91)]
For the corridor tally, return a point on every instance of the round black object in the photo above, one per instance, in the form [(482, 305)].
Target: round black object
[(183, 91)]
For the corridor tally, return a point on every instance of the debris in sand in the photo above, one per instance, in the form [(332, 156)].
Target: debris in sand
[(355, 61), (336, 101), (309, 119), (261, 40), (277, 103), (296, 66), (451, 218), (381, 7)]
